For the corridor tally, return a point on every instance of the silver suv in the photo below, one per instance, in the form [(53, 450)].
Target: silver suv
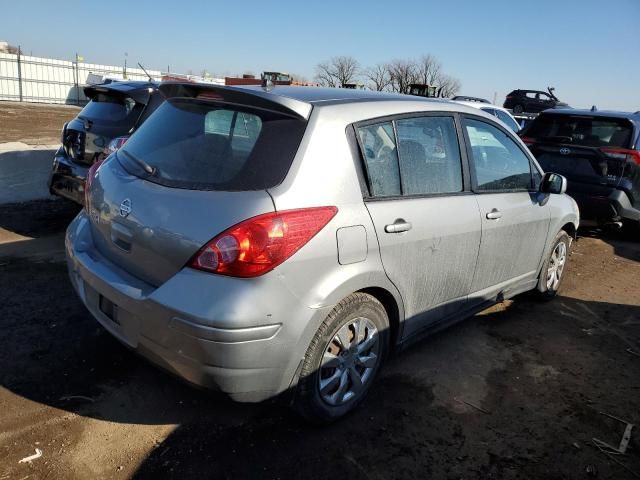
[(264, 241)]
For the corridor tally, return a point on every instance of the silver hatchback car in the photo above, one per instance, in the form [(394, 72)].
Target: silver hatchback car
[(264, 241)]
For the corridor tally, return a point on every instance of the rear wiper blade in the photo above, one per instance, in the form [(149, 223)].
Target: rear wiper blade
[(144, 165)]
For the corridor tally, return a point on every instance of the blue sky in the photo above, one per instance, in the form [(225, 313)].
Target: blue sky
[(587, 49)]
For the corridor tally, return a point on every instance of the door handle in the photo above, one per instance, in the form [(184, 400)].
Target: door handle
[(494, 214), (398, 226)]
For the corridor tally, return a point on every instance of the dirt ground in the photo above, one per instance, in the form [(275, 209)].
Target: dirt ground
[(513, 393), (34, 123)]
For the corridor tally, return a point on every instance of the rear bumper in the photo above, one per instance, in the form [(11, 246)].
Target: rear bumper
[(251, 362), (603, 206), (67, 177)]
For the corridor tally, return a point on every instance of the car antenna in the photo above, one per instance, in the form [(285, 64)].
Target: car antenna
[(594, 108), (145, 72)]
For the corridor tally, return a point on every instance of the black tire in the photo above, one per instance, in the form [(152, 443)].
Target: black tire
[(547, 288), (518, 109), (357, 307)]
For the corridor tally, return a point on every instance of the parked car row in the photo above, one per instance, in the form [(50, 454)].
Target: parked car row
[(599, 154), (597, 151), (532, 101), (115, 110), (499, 112), (283, 241)]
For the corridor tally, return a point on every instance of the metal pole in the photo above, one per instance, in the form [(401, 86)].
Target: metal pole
[(77, 81), (19, 73)]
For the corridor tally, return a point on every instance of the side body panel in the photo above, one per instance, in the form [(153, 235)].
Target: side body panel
[(432, 264), (512, 244)]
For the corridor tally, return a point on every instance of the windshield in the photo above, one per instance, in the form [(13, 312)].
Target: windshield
[(194, 144), (582, 130), (111, 108)]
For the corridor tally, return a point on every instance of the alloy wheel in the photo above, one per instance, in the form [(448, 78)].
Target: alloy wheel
[(556, 266), (349, 361)]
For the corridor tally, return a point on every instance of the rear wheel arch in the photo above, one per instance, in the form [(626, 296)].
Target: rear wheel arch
[(391, 306)]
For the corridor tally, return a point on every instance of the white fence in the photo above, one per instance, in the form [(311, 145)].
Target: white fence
[(45, 80)]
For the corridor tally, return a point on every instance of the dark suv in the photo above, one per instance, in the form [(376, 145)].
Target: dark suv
[(114, 111), (599, 153), (532, 101)]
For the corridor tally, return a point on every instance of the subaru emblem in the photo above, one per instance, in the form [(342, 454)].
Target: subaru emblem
[(565, 151), (125, 207)]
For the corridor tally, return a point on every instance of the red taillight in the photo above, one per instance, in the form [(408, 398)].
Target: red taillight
[(528, 140), (259, 244), (509, 97), (89, 180), (622, 153)]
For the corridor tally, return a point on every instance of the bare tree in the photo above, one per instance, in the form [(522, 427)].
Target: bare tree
[(402, 74), (337, 71), (448, 85), (299, 78), (379, 77), (429, 69)]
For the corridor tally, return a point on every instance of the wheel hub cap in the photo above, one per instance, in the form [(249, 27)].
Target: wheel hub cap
[(556, 266), (349, 361)]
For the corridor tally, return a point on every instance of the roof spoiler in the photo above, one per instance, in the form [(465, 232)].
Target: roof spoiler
[(140, 95), (256, 97)]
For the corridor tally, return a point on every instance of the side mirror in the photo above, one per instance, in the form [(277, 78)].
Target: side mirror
[(553, 183)]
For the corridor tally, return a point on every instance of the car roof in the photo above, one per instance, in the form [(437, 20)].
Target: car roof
[(136, 89), (593, 113), (316, 95), (480, 105), (467, 98), (128, 85), (294, 99)]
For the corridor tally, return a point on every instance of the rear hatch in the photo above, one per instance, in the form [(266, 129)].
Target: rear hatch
[(582, 148), (109, 114), (196, 167)]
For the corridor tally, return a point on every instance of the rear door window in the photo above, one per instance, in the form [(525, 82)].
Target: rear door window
[(499, 163), (201, 145), (579, 130), (429, 155), (420, 156)]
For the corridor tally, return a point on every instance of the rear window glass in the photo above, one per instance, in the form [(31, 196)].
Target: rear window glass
[(109, 108), (206, 146), (582, 130)]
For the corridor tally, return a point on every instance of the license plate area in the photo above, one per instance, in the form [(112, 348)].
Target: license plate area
[(109, 308)]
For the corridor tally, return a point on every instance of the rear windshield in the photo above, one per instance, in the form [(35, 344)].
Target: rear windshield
[(582, 130), (211, 146), (109, 108)]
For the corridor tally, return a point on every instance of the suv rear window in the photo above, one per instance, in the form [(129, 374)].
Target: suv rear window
[(581, 130), (213, 146), (106, 107)]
